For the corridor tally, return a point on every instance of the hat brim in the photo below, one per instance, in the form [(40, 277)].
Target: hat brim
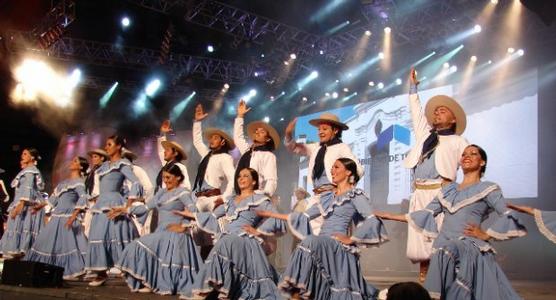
[(252, 127), (452, 105), (99, 152), (212, 131), (175, 146), (317, 122), (130, 155)]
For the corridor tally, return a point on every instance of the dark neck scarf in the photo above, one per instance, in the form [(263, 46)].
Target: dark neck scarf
[(159, 176), (245, 159), (203, 169), (90, 180), (318, 169), (432, 141)]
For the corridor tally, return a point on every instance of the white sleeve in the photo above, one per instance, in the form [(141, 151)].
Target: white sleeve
[(145, 181), (270, 175), (239, 137), (186, 183), (420, 124), (160, 149), (96, 190), (202, 149), (228, 168)]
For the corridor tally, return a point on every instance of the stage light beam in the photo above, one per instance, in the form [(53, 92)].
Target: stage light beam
[(180, 107), (103, 102)]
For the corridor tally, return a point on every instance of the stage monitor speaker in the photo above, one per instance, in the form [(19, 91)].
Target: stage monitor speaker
[(31, 274)]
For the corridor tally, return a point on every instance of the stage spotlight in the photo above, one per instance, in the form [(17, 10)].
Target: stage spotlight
[(477, 28), (381, 55), (473, 58), (446, 65), (380, 85), (348, 97), (346, 90), (398, 81), (252, 93), (210, 48), (180, 107), (321, 52), (371, 83), (74, 78), (304, 99), (226, 86), (494, 2), (271, 98), (489, 62), (256, 74), (286, 62), (266, 119), (152, 87), (337, 80), (327, 94), (282, 119), (125, 22), (334, 95), (368, 33), (262, 55), (520, 52), (293, 56), (453, 69), (511, 50), (106, 97), (387, 29)]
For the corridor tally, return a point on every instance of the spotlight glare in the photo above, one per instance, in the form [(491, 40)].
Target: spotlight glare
[(387, 29), (226, 86), (282, 119), (334, 95), (446, 65), (511, 50), (381, 55), (494, 2), (266, 119), (253, 93), (210, 48), (286, 62), (371, 83), (304, 99), (262, 55), (477, 28), (327, 94), (337, 80), (489, 62), (346, 90), (126, 22), (520, 52), (453, 69), (398, 81), (380, 85), (256, 74), (473, 58), (321, 52), (152, 87), (368, 33), (271, 98), (293, 56), (314, 74)]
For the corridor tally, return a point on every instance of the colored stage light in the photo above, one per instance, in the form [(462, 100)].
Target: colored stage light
[(152, 87), (210, 48), (108, 95), (125, 22), (387, 30)]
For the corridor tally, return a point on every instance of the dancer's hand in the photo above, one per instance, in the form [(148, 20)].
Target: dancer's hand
[(413, 77), (264, 213), (165, 127), (69, 222), (116, 212), (342, 238), (242, 109), (290, 128), (17, 209), (177, 228), (473, 230), (184, 213), (199, 113), (250, 230), (37, 207), (522, 208)]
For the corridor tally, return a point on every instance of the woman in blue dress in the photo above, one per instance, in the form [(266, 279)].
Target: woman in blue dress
[(237, 267), (463, 265), (62, 242), (326, 266), (545, 220), (162, 262), (108, 238), (26, 217)]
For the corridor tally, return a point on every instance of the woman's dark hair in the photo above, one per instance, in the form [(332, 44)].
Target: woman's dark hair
[(407, 290), (174, 170), (483, 155), (350, 165), (84, 165), (179, 157), (254, 175), (34, 153), (118, 140)]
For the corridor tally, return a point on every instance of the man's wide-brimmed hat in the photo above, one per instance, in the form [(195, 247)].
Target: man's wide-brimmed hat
[(328, 118), (175, 146), (212, 131), (100, 152), (452, 105), (252, 127), (129, 155)]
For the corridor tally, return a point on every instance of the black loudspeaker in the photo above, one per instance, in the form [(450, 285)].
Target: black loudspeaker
[(31, 274)]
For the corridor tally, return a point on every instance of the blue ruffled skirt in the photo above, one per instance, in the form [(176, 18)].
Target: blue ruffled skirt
[(60, 246), (21, 232), (322, 268), (164, 261), (237, 268)]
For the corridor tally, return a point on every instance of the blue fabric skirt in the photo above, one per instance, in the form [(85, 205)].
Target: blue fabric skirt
[(21, 232), (237, 268), (60, 246), (107, 240), (322, 268), (164, 261), (459, 270)]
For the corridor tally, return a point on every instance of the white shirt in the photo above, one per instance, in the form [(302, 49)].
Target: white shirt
[(185, 183), (264, 162), (333, 152), (449, 149), (148, 187), (220, 166)]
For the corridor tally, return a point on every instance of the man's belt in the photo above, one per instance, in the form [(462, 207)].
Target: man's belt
[(209, 193), (324, 188), (433, 186)]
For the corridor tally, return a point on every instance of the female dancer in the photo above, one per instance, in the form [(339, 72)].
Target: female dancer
[(162, 262), (26, 216), (463, 266), (108, 238), (237, 267), (62, 242), (327, 266)]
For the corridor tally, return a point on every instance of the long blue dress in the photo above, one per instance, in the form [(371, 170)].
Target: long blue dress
[(321, 267), (237, 267), (23, 229), (56, 244), (108, 238), (464, 267), (546, 221), (164, 261)]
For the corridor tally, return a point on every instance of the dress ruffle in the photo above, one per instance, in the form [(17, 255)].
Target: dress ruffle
[(546, 221), (450, 200), (424, 222), (299, 225), (370, 232), (506, 227), (327, 204)]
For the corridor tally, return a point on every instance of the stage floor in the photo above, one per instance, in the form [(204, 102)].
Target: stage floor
[(116, 289)]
